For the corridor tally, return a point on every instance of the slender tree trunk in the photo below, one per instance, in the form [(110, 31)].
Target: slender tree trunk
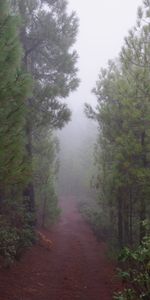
[(43, 212), (2, 198), (120, 219), (142, 218), (28, 193), (131, 217), (126, 218), (29, 190), (142, 214)]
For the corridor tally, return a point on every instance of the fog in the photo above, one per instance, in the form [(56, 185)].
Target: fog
[(103, 26)]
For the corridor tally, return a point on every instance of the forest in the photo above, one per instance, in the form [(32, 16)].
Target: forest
[(103, 185)]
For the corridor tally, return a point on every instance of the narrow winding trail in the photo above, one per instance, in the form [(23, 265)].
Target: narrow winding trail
[(76, 268)]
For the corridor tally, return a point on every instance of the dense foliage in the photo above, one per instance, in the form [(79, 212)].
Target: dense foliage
[(15, 87), (135, 272), (123, 146), (37, 70)]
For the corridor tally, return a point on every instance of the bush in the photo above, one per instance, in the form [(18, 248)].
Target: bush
[(26, 239), (135, 272), (8, 244), (13, 243)]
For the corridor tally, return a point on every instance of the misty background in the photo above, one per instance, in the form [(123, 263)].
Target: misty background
[(102, 28)]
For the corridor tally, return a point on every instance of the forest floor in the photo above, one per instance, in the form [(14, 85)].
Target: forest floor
[(77, 266)]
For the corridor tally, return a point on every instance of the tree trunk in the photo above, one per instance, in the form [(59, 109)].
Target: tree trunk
[(43, 213), (29, 190), (142, 213), (142, 218), (131, 217), (28, 193), (126, 218), (120, 220)]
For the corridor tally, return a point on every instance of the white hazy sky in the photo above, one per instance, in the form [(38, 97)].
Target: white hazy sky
[(103, 26)]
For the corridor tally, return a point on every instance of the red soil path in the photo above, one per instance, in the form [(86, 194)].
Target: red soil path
[(76, 268)]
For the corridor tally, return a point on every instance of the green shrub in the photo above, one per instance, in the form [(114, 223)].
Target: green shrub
[(8, 244), (26, 239), (135, 272), (14, 241)]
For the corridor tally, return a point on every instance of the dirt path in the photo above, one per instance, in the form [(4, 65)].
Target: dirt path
[(76, 268)]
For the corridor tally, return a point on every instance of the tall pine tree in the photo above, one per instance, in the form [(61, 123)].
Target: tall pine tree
[(48, 34), (15, 88)]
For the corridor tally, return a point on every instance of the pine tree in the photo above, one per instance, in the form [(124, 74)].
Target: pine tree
[(15, 88), (47, 37)]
